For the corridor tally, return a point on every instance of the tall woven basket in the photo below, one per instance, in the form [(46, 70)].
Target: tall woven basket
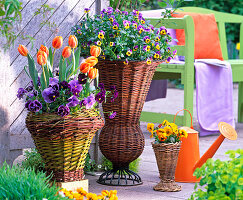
[(166, 156), (121, 140), (63, 142)]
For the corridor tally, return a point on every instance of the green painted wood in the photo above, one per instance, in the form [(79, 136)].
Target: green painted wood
[(240, 102), (160, 117), (222, 38)]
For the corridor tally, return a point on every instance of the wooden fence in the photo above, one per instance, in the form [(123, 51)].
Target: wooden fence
[(65, 14)]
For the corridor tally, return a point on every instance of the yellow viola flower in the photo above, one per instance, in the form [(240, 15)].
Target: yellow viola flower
[(112, 192), (161, 134), (150, 127), (91, 196), (113, 197), (168, 130), (164, 123), (183, 133), (105, 193)]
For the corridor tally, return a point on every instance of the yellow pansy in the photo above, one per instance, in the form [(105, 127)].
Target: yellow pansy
[(164, 123), (183, 133), (150, 127), (168, 130)]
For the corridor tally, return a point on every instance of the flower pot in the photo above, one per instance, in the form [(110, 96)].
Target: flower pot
[(63, 142), (166, 156), (121, 140)]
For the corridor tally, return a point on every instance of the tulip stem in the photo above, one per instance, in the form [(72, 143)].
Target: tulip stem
[(53, 58), (44, 74)]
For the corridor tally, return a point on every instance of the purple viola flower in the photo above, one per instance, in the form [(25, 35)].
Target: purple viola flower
[(110, 8), (115, 95), (100, 97), (29, 88), (140, 29), (135, 24), (174, 53), (53, 82), (35, 92), (65, 85), (72, 101), (115, 25), (27, 104), (101, 34), (82, 78), (112, 18), (146, 48), (125, 12), (146, 39), (90, 101), (129, 52), (83, 103), (147, 29), (125, 62), (126, 24), (101, 86), (117, 10), (135, 12), (21, 92), (140, 16), (112, 87), (63, 110), (34, 106), (162, 30), (75, 86), (151, 27), (86, 10), (112, 115), (168, 59), (30, 95), (135, 48), (50, 95), (168, 49)]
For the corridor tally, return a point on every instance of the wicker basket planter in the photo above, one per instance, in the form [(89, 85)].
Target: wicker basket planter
[(121, 140), (166, 156), (63, 142)]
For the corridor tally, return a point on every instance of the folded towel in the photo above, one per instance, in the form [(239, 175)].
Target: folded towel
[(214, 89)]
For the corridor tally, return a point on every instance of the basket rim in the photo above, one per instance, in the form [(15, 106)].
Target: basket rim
[(166, 144)]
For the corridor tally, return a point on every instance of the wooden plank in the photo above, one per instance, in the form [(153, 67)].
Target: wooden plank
[(21, 141), (74, 15), (73, 186)]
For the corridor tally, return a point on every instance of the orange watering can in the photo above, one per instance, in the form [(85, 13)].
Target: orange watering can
[(189, 156)]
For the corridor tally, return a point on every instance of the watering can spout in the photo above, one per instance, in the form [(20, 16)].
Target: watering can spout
[(189, 157), (226, 131)]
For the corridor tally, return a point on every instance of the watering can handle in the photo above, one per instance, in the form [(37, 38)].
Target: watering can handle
[(188, 112)]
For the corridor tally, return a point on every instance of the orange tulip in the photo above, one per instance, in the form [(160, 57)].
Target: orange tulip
[(42, 59), (66, 52), (93, 72), (57, 42), (45, 49), (42, 53), (92, 60), (23, 50), (73, 41), (85, 67), (95, 51)]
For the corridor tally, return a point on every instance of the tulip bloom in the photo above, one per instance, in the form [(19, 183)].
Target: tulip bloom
[(93, 72), (92, 60), (66, 52), (42, 59), (42, 53), (72, 41), (85, 67), (23, 50), (57, 42), (45, 49), (95, 51)]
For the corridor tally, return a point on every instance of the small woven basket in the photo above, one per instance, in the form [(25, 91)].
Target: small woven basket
[(166, 156), (63, 142)]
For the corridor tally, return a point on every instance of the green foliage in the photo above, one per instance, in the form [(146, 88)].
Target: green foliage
[(221, 179), (107, 165), (90, 165), (33, 161), (9, 14), (18, 184)]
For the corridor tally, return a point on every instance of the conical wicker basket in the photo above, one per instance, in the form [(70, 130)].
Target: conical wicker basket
[(166, 156), (63, 142)]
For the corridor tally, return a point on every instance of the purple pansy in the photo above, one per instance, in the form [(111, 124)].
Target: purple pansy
[(112, 87), (162, 30), (82, 78), (34, 106), (63, 110), (72, 101), (146, 48), (126, 24), (53, 82), (146, 39), (135, 12), (135, 48), (86, 10), (76, 88), (115, 25), (27, 104), (50, 94), (83, 103), (30, 95), (168, 59), (90, 101), (29, 88), (21, 92), (100, 97), (65, 85), (112, 115), (35, 92), (140, 28), (125, 12), (115, 95), (101, 86)]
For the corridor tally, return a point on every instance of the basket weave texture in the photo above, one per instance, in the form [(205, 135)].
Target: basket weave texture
[(63, 142), (121, 140), (166, 156)]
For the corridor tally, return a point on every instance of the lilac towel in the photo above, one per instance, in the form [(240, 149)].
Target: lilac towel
[(214, 98)]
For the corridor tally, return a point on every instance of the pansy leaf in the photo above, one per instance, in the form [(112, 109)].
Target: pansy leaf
[(32, 70)]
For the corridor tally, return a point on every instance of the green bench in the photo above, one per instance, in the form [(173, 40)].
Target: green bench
[(186, 71)]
